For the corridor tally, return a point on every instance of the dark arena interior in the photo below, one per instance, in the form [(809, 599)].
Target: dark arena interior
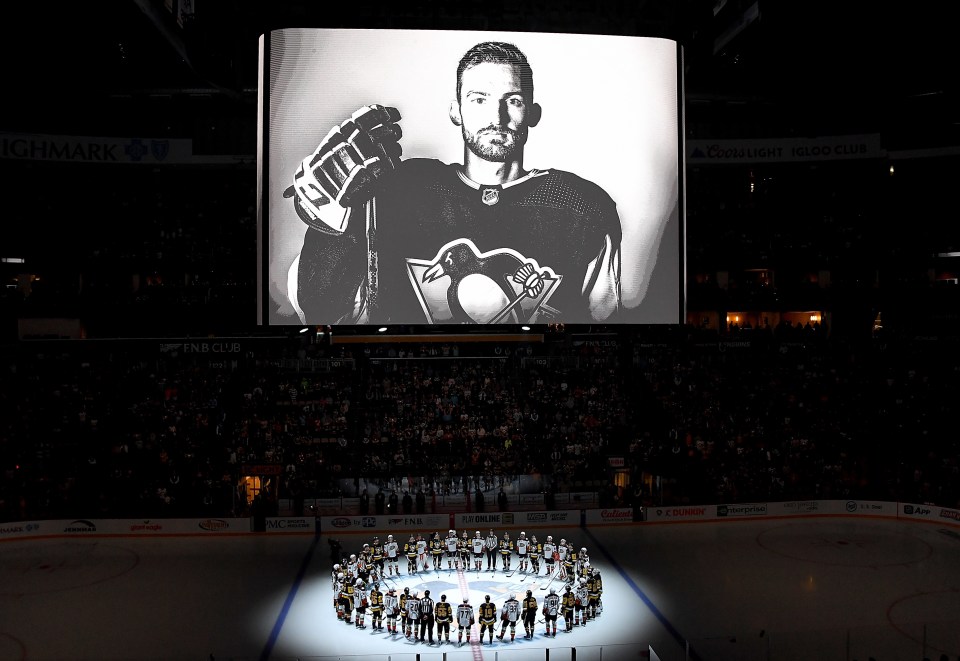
[(639, 342)]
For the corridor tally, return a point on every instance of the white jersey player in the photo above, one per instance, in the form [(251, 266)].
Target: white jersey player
[(580, 617), (422, 552), (563, 552), (391, 608), (523, 551), (478, 546), (550, 554), (551, 609), (451, 544), (583, 562), (465, 619), (392, 549), (510, 613), (413, 613)]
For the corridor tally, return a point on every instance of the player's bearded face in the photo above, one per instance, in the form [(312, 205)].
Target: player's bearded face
[(494, 112)]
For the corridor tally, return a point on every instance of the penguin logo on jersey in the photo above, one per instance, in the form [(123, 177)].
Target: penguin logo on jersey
[(461, 285)]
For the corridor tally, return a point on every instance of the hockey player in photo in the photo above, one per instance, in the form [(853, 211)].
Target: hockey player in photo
[(593, 596), (338, 595), (413, 616), (536, 552), (598, 588), (583, 561), (377, 555), (410, 550), (436, 550), (509, 615), (488, 618), (334, 574), (491, 544), (392, 551), (422, 552), (391, 608), (569, 562), (551, 608), (376, 607), (426, 617), (582, 597), (404, 597), (562, 554), (450, 544), (479, 546), (529, 610), (523, 551), (555, 234), (353, 565), (569, 604), (550, 554), (444, 616), (465, 551), (506, 551), (347, 593), (465, 620), (362, 602)]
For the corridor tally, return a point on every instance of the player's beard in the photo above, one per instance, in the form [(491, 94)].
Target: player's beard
[(498, 149)]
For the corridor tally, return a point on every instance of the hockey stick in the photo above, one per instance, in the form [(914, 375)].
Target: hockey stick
[(373, 269)]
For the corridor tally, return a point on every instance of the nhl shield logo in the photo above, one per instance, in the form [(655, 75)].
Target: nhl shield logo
[(462, 285), (490, 196)]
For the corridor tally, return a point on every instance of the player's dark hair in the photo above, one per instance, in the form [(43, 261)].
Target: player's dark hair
[(497, 52)]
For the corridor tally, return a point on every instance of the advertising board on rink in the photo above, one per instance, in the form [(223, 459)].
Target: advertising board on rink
[(385, 522), (610, 515), (522, 519), (928, 512), (291, 524), (682, 513)]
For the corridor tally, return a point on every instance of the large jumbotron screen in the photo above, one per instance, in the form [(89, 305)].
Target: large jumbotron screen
[(454, 177)]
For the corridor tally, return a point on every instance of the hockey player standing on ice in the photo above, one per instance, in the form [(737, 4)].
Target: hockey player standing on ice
[(436, 550), (491, 545), (426, 617), (582, 597), (488, 618), (444, 616), (583, 562), (569, 562), (549, 554), (551, 608), (465, 620), (523, 548), (569, 603), (376, 555), (562, 553), (392, 549), (536, 551), (338, 595), (598, 591), (510, 613), (391, 606), (410, 550), (404, 625), (376, 607), (465, 551), (529, 613), (422, 552), (506, 551), (362, 602), (451, 545), (413, 616), (447, 234), (347, 593), (478, 548)]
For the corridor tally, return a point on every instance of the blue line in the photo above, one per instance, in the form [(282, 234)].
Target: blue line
[(672, 630), (275, 633)]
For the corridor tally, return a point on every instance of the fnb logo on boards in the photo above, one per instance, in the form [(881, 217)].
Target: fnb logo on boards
[(341, 522)]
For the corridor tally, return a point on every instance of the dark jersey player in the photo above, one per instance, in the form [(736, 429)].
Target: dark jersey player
[(419, 241)]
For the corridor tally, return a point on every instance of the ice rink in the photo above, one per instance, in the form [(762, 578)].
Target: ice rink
[(797, 589)]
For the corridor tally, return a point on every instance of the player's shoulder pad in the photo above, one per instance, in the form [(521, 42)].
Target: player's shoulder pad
[(584, 197)]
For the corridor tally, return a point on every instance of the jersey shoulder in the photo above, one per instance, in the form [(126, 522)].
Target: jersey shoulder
[(562, 189)]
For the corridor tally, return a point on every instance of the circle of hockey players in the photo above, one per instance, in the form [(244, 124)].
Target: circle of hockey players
[(534, 586)]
